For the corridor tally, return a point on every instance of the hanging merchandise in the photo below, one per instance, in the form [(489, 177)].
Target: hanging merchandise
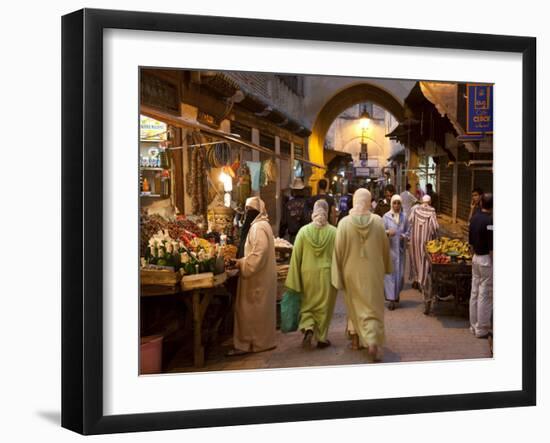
[(222, 154), (229, 171), (254, 168), (263, 178), (198, 182), (165, 184), (243, 185), (235, 166), (163, 161), (210, 156), (271, 170)]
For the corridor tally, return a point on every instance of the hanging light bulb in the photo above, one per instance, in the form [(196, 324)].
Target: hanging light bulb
[(364, 119), (227, 182)]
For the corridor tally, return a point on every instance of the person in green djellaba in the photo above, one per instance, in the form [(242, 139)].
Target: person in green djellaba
[(310, 274)]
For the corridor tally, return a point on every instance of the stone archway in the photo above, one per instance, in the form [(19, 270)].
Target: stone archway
[(337, 104)]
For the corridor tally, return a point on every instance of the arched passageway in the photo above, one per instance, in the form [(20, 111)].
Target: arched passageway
[(337, 104)]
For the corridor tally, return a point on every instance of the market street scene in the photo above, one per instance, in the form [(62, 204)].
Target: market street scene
[(305, 220)]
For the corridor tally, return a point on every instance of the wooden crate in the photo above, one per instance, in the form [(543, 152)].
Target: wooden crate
[(201, 281), (159, 277)]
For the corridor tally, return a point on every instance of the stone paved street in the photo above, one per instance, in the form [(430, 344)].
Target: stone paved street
[(410, 336)]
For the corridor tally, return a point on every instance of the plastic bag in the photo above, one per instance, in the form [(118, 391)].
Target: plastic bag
[(291, 304)]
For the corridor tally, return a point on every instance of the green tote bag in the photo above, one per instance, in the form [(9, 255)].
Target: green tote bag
[(291, 304)]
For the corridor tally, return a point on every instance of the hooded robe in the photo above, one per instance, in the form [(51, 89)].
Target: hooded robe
[(310, 273), (256, 303), (361, 259)]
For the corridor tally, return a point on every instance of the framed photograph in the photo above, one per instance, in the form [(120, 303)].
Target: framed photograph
[(269, 221)]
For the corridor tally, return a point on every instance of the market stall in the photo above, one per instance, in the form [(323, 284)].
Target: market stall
[(202, 154), (179, 258), (450, 275), (191, 255)]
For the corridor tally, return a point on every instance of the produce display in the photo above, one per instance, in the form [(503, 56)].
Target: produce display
[(441, 258), (190, 257), (179, 229), (447, 247)]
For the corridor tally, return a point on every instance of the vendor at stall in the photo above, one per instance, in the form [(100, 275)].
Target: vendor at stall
[(255, 306)]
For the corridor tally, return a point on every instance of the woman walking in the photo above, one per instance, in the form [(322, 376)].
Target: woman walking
[(396, 226), (310, 274)]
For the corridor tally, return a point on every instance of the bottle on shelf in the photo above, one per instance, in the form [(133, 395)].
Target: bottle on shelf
[(146, 187)]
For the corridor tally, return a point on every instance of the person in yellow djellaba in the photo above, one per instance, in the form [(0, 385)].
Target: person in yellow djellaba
[(309, 273), (360, 261)]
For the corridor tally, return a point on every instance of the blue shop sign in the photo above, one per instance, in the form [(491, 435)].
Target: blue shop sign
[(479, 109)]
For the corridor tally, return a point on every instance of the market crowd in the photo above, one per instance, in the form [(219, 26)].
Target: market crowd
[(359, 249)]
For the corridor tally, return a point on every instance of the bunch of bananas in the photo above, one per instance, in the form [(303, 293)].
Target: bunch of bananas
[(433, 246), (445, 245)]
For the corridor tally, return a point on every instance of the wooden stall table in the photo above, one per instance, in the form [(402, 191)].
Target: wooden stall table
[(198, 291)]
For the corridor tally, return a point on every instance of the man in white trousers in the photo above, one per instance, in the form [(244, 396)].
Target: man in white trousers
[(481, 298)]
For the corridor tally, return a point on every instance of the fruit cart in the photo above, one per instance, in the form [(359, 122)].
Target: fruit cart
[(450, 271)]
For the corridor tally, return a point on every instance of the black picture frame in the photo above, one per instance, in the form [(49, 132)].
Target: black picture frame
[(82, 218)]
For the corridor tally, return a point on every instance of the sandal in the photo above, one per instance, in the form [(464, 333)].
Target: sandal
[(354, 342), (308, 336), (323, 344), (373, 353)]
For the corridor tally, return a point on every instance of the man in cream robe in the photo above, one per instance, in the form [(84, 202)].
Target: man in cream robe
[(360, 261), (255, 307)]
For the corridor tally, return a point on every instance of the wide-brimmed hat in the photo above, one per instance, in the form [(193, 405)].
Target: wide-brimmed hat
[(297, 183)]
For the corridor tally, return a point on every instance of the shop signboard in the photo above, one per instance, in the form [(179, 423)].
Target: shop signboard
[(362, 172), (151, 129), (479, 108), (370, 163)]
